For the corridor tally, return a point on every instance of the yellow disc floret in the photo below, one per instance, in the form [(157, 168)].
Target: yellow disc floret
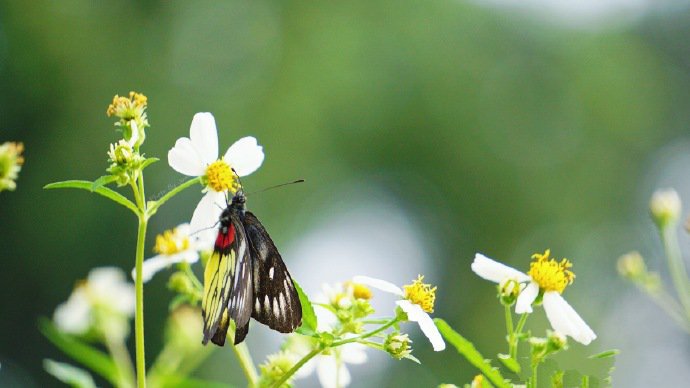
[(421, 294), (171, 242), (220, 177), (551, 275), (128, 108), (360, 291)]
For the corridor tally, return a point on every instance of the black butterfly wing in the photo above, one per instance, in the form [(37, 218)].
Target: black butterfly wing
[(227, 283), (276, 302)]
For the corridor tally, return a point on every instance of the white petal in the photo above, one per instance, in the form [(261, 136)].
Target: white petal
[(207, 212), (353, 353), (204, 136), (565, 320), (245, 156), (416, 314), (135, 133), (378, 284), (526, 298), (157, 263), (184, 158), (327, 370), (74, 316), (494, 271)]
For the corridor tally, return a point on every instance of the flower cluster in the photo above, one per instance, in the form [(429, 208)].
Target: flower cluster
[(11, 161), (544, 283)]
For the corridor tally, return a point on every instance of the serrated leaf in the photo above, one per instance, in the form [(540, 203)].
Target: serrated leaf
[(467, 350), (102, 190), (68, 374), (308, 316), (85, 354)]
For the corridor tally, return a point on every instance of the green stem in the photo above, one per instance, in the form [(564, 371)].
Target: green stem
[(188, 270), (514, 340), (118, 351), (509, 330), (365, 335), (245, 359), (533, 378), (154, 205), (676, 267), (139, 314), (668, 304), (296, 367)]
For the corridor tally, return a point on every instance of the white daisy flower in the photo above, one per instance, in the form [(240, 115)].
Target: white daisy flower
[(548, 277), (175, 246), (198, 156), (417, 301), (105, 289)]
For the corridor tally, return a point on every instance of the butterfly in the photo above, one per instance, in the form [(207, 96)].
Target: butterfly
[(246, 277)]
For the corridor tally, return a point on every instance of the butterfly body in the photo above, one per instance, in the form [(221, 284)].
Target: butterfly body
[(246, 278)]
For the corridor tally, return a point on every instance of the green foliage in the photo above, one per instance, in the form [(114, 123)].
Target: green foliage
[(69, 374), (102, 190), (467, 350), (81, 352), (309, 322)]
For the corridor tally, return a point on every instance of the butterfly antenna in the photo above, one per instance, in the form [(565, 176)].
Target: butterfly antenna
[(276, 186)]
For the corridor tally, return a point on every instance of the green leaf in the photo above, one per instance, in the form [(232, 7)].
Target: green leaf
[(148, 162), (81, 352), (102, 190), (509, 362), (190, 382), (606, 354), (102, 181), (467, 350), (69, 374), (308, 317)]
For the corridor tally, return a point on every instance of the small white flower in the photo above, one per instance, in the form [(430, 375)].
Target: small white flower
[(331, 367), (547, 276), (198, 156), (417, 300), (175, 246), (104, 289), (665, 206)]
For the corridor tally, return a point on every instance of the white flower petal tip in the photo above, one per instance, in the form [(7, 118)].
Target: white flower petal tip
[(494, 271), (564, 319), (245, 156), (426, 324), (185, 159), (204, 136), (378, 284)]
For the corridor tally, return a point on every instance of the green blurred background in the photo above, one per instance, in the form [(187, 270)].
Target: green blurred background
[(426, 131)]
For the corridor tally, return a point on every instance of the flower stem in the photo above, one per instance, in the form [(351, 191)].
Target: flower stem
[(246, 363), (296, 367), (365, 335), (676, 267), (139, 314), (514, 340), (120, 355)]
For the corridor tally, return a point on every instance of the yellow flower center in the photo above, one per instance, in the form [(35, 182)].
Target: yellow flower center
[(551, 275), (360, 291), (171, 242), (127, 108), (220, 177), (422, 294)]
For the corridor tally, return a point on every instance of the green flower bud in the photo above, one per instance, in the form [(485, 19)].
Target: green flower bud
[(398, 345), (665, 207)]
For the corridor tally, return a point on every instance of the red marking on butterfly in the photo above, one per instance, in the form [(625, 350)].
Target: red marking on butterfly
[(224, 240)]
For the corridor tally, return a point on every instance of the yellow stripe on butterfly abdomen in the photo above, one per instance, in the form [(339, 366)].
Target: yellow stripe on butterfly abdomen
[(217, 275)]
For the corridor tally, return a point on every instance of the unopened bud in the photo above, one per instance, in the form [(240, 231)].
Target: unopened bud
[(398, 345), (665, 206)]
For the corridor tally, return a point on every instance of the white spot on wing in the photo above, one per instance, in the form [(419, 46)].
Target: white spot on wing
[(276, 308), (257, 306), (270, 273), (267, 304)]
